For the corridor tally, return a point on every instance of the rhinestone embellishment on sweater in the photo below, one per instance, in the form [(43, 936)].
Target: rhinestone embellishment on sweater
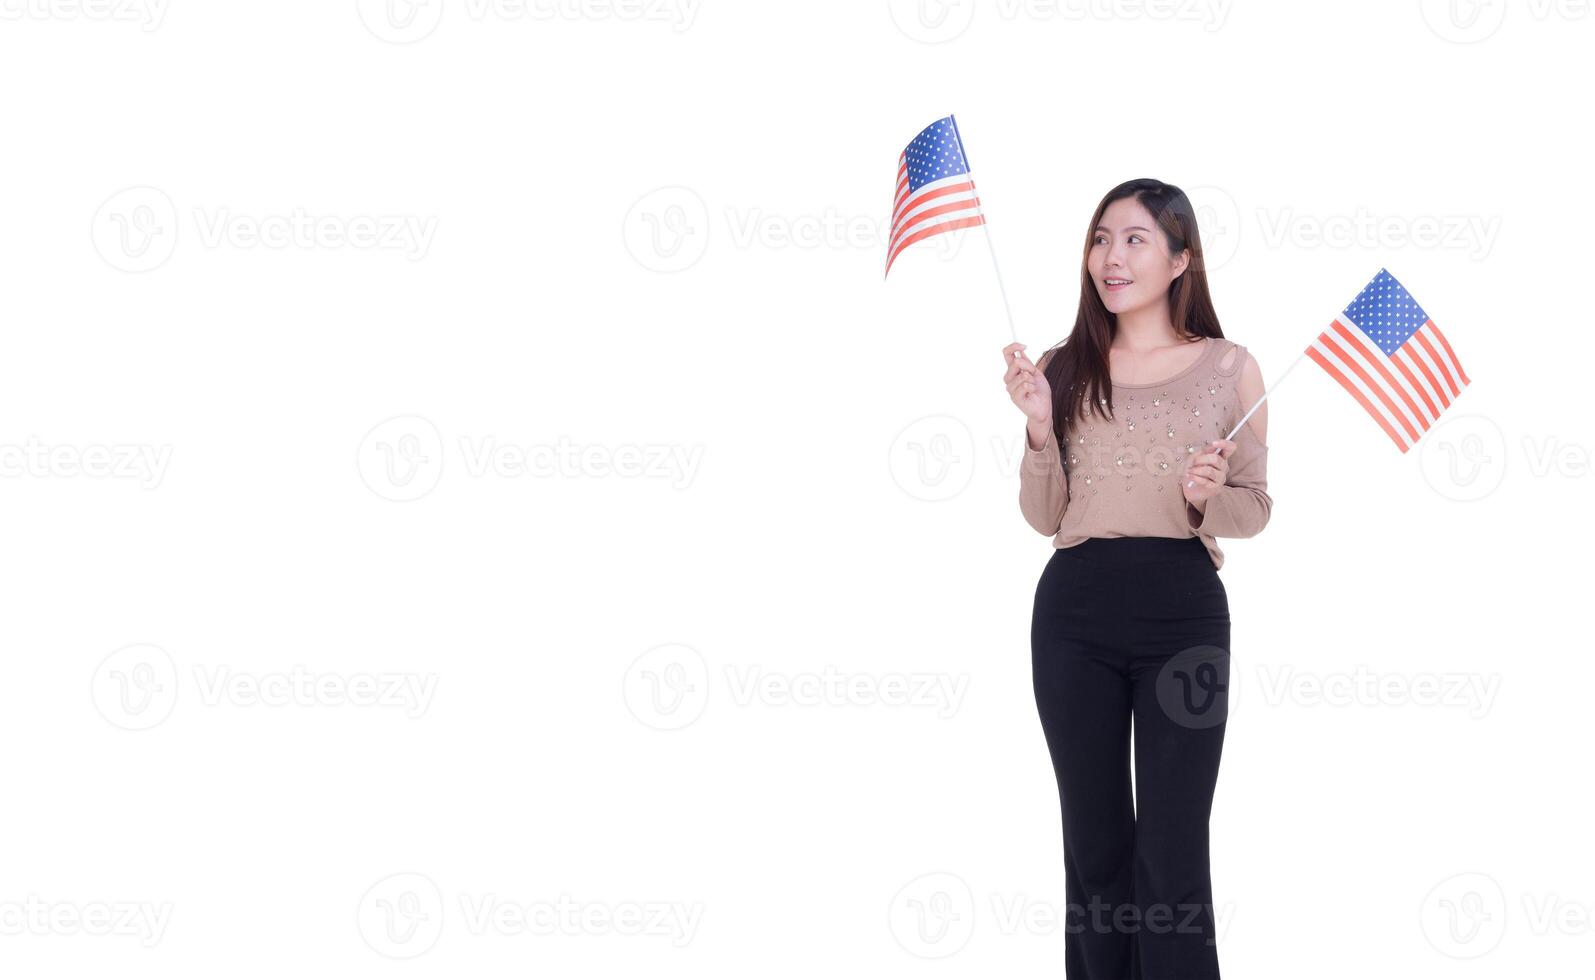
[(1136, 447)]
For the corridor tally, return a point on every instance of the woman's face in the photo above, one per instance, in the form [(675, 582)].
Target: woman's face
[(1128, 245)]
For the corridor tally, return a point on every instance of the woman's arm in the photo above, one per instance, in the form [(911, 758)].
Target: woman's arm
[(1043, 492), (1241, 508)]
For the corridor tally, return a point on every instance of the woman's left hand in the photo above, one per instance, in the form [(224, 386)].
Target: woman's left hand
[(1207, 471)]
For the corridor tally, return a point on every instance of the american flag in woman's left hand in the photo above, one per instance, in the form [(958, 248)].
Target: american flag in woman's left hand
[(935, 192), (1391, 358)]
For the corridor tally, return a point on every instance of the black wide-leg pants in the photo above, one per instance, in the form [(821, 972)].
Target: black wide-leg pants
[(1134, 630)]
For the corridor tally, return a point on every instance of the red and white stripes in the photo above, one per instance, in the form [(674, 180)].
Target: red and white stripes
[(937, 207), (1405, 392)]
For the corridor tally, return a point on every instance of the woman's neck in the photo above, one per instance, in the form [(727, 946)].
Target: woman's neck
[(1145, 329)]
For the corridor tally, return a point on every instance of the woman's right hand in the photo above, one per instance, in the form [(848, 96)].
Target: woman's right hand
[(1027, 386)]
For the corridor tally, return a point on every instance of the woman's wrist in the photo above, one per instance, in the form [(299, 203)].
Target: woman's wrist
[(1037, 434)]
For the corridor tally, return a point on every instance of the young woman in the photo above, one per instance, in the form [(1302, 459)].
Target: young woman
[(1128, 469)]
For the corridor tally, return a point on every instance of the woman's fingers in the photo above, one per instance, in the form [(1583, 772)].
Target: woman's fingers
[(1021, 371), (1017, 367), (1224, 447), (1208, 463), (1020, 377)]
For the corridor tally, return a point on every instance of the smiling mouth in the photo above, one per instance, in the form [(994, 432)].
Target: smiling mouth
[(1110, 283)]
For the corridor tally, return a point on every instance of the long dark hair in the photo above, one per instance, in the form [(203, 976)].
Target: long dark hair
[(1078, 370)]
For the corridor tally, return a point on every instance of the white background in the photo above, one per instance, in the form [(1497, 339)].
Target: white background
[(234, 455)]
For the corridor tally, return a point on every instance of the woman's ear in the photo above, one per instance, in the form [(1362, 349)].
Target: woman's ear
[(1181, 262)]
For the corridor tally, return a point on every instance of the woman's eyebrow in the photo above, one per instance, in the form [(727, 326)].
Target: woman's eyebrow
[(1131, 228)]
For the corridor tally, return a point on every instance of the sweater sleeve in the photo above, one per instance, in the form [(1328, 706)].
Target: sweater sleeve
[(1043, 493), (1241, 508)]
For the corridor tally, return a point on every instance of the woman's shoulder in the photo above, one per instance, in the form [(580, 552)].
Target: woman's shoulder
[(1239, 368), (1228, 355)]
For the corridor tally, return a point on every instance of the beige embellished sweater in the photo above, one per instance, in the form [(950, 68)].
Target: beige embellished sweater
[(1122, 478)]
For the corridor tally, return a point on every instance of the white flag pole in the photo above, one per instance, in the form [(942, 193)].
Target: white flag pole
[(985, 225), (1262, 399), (1265, 395), (1013, 331)]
